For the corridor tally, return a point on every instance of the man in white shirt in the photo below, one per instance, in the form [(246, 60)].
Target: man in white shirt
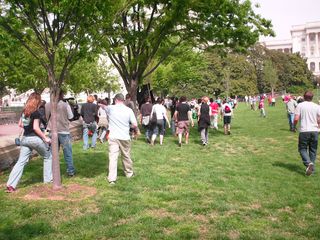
[(121, 118), (309, 115)]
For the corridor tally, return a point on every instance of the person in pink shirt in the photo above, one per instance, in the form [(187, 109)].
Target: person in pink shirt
[(261, 107), (214, 107)]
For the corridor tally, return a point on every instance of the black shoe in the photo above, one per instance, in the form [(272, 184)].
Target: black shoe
[(71, 174), (180, 144)]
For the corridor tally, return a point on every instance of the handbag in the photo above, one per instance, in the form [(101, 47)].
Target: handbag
[(17, 141)]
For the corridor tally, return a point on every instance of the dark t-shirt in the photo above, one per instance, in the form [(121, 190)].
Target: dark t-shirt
[(183, 110), (146, 109), (89, 111), (28, 123)]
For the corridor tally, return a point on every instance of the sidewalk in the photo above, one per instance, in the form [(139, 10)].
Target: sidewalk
[(9, 130)]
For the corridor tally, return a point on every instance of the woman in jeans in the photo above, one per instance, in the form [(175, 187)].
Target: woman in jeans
[(33, 139), (160, 113)]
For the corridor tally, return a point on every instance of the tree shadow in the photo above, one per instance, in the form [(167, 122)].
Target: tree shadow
[(290, 166), (12, 231)]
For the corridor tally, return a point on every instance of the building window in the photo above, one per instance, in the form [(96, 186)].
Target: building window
[(303, 39), (312, 51), (312, 37), (312, 66)]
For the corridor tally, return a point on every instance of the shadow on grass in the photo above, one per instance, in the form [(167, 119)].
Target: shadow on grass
[(290, 166), (26, 231)]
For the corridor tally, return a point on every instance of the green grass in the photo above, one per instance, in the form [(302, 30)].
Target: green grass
[(250, 185)]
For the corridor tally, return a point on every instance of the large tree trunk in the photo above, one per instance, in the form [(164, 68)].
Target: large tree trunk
[(54, 98), (133, 92)]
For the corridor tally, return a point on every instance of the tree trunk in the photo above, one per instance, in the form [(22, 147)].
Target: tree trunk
[(133, 92), (272, 92), (54, 98)]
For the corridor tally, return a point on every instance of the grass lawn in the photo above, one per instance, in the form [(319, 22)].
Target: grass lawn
[(249, 185)]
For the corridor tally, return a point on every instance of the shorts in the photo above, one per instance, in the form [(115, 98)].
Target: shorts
[(226, 119), (183, 126)]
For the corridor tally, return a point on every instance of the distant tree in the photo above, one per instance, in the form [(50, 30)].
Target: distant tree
[(270, 75), (90, 76), (149, 31), (257, 56), (292, 69), (181, 74), (18, 68)]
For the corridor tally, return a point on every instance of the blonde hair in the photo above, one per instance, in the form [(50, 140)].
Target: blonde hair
[(90, 99)]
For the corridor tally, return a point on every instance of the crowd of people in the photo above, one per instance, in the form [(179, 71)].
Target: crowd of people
[(117, 123)]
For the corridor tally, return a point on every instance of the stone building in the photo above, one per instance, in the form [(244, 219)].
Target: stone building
[(304, 39)]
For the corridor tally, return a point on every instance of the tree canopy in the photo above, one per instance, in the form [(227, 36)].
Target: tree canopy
[(149, 31)]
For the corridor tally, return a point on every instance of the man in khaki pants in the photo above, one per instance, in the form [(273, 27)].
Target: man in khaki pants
[(121, 118)]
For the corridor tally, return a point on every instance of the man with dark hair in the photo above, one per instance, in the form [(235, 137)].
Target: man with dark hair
[(121, 118), (64, 137), (182, 117), (309, 115)]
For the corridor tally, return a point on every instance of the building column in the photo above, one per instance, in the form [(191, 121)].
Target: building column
[(317, 45), (308, 46)]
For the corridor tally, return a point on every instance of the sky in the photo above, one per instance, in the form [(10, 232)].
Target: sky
[(285, 13)]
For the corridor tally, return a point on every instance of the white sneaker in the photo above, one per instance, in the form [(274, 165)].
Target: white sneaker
[(309, 169)]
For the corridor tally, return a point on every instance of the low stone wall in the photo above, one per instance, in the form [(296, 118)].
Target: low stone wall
[(9, 152)]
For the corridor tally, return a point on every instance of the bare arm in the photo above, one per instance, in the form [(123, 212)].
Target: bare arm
[(190, 118), (296, 120), (20, 123)]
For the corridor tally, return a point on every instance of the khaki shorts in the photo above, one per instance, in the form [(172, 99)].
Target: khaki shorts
[(183, 126)]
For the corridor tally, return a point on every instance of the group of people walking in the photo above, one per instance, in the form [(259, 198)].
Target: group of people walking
[(119, 121)]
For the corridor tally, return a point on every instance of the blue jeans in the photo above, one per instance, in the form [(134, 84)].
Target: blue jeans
[(308, 144), (92, 127), (291, 119), (27, 145), (65, 141)]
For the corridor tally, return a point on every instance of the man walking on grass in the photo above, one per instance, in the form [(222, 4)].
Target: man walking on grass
[(182, 118), (309, 115), (121, 118)]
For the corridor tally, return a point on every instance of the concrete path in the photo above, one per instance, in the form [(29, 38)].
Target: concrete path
[(9, 130)]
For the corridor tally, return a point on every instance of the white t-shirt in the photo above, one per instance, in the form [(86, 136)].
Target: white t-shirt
[(160, 111), (223, 109), (309, 113), (120, 119)]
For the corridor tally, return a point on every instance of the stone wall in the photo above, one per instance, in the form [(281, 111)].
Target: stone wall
[(9, 152)]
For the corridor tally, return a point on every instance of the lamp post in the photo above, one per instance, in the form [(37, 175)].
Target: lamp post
[(318, 92)]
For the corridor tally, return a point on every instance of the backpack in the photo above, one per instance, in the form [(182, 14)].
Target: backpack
[(227, 109)]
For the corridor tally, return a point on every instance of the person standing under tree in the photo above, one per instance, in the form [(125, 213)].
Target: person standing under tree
[(64, 137), (182, 117), (308, 113)]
